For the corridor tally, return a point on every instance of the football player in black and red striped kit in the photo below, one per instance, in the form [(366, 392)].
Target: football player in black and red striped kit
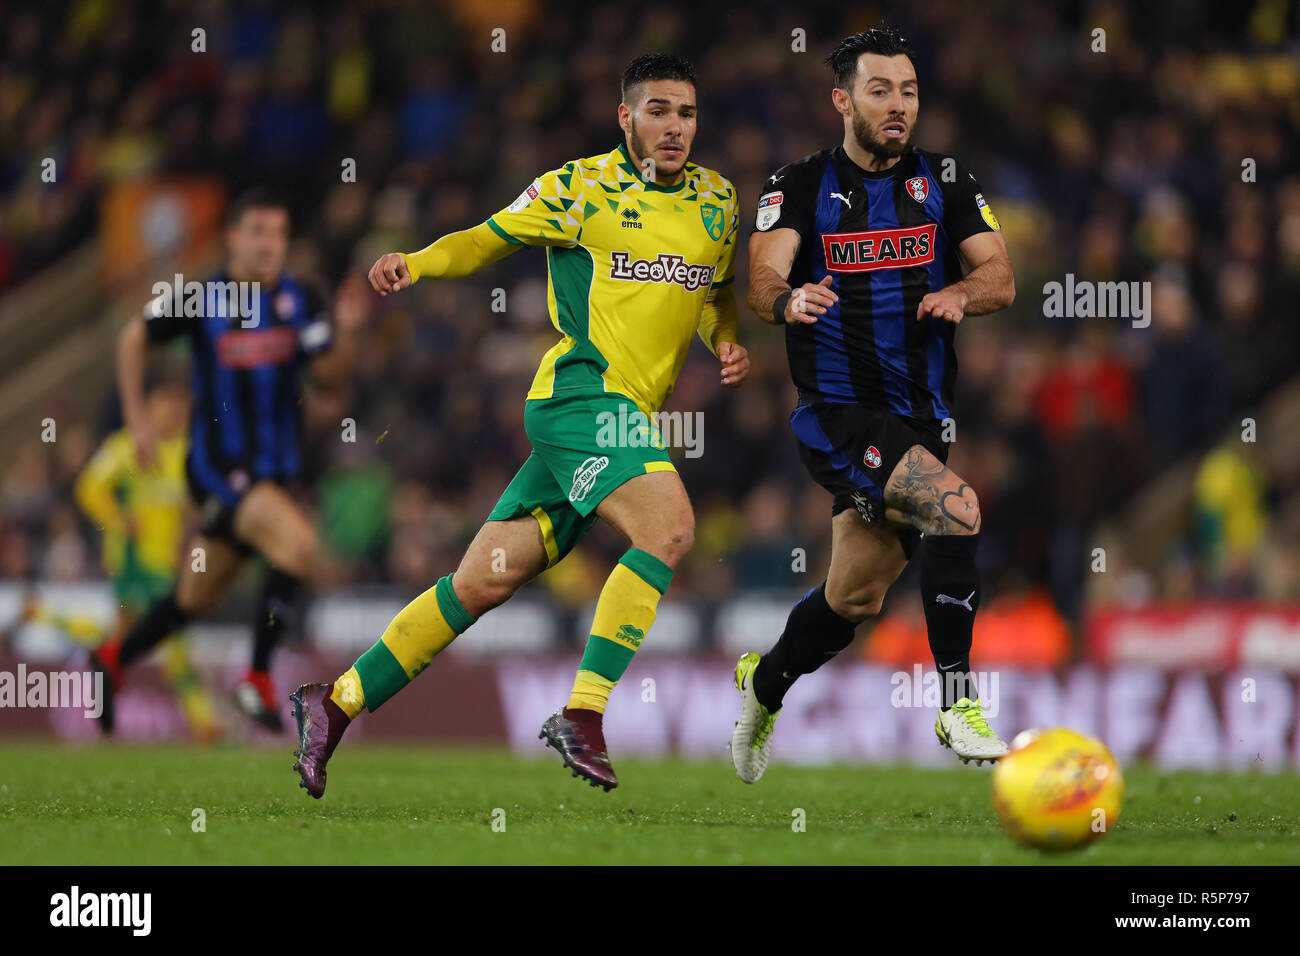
[(870, 254), (243, 463)]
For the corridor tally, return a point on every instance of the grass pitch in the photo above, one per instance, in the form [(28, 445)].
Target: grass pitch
[(135, 805)]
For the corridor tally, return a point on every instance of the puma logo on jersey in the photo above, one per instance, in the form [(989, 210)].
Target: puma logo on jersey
[(843, 199), (944, 599), (667, 267)]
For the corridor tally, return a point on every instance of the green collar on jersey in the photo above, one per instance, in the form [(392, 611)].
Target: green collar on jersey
[(631, 168)]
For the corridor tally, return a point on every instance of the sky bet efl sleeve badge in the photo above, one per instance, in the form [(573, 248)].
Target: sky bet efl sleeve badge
[(987, 213), (527, 196), (769, 210)]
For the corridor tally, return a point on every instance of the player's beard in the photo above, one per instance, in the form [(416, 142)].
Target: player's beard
[(639, 149), (882, 149)]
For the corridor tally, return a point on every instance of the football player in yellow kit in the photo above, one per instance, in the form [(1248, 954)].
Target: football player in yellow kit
[(640, 250), (141, 510)]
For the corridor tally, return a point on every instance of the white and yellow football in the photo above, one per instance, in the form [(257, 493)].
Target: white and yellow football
[(1057, 789)]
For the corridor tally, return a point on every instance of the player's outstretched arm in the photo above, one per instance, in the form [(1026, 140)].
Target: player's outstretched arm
[(989, 284), (771, 257), (455, 255)]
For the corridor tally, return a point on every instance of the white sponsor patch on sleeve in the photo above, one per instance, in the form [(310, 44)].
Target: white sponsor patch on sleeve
[(315, 335), (769, 210), (525, 197)]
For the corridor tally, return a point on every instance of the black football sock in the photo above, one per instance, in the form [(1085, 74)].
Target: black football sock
[(813, 635), (277, 610), (162, 620), (950, 590)]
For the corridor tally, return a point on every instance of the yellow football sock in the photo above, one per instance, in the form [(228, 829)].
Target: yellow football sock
[(347, 693), (624, 613), (196, 703), (412, 640), (590, 691)]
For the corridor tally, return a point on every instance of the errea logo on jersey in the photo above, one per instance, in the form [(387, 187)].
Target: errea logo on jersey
[(666, 268)]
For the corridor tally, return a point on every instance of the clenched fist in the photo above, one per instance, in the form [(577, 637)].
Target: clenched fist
[(390, 273)]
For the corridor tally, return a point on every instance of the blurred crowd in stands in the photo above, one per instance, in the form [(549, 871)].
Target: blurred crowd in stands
[(1122, 165)]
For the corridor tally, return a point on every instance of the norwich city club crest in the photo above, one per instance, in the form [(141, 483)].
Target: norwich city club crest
[(712, 216)]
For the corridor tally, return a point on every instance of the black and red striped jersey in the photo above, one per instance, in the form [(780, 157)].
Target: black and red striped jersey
[(246, 377), (887, 239)]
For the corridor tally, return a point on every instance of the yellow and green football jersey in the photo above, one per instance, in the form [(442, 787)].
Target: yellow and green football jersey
[(112, 488), (631, 264)]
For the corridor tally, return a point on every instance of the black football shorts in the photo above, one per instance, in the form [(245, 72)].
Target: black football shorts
[(851, 450), (217, 497)]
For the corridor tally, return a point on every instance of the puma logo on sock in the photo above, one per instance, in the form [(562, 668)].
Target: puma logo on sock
[(944, 599)]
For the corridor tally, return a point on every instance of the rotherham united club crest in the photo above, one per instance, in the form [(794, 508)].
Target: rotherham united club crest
[(919, 188), (872, 458), (284, 303)]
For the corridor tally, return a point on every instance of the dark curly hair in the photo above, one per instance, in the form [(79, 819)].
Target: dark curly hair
[(884, 40)]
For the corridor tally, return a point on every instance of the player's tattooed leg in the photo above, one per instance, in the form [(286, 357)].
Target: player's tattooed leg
[(925, 494)]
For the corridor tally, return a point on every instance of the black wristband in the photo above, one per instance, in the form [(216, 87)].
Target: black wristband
[(778, 307)]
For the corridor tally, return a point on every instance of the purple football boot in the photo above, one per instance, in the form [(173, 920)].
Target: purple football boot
[(577, 735), (320, 727)]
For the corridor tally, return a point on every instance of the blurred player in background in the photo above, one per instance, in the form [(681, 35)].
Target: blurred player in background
[(640, 247), (142, 515), (244, 432), (860, 252)]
